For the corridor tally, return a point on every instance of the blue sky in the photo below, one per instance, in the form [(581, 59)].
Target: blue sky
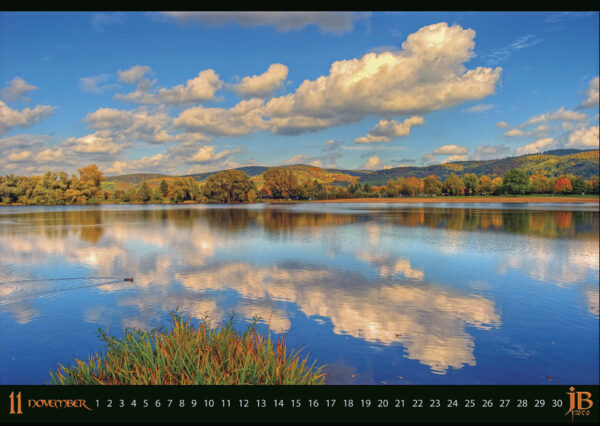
[(192, 92)]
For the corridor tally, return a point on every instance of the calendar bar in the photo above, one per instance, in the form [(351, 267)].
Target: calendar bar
[(283, 404)]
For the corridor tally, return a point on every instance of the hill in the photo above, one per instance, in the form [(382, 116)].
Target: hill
[(558, 162), (554, 163), (136, 178), (249, 170), (305, 173)]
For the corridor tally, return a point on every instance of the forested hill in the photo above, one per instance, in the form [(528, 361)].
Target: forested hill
[(137, 178), (249, 170), (583, 163), (305, 173), (554, 163)]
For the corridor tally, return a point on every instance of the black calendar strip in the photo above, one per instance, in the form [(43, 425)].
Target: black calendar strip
[(288, 404)]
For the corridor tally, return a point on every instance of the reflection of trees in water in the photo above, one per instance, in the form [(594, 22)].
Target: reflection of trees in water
[(543, 223), (230, 220), (57, 224), (277, 221), (90, 224)]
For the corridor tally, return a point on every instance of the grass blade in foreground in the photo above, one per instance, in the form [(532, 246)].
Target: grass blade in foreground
[(189, 355)]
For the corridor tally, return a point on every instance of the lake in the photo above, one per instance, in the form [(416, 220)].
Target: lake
[(382, 293)]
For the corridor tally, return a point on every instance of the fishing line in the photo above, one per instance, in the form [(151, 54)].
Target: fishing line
[(60, 279), (36, 295)]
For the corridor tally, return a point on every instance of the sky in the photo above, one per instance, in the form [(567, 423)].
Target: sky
[(192, 92)]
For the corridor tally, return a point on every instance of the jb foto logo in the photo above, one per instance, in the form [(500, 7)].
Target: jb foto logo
[(17, 408), (579, 403)]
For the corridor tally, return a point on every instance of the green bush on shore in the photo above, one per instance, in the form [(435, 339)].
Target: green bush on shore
[(191, 355)]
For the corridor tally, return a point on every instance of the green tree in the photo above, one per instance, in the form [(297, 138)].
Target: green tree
[(391, 189), (157, 196), (515, 182), (144, 193), (229, 186), (580, 186), (471, 182), (164, 188)]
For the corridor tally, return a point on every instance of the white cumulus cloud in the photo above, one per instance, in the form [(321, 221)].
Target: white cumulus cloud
[(16, 89), (373, 163), (100, 142), (196, 90), (26, 117), (584, 137), (207, 154), (387, 129), (144, 164), (428, 74), (199, 89), (537, 146), (560, 114), (134, 74), (592, 99), (263, 85), (19, 156), (139, 124), (239, 120)]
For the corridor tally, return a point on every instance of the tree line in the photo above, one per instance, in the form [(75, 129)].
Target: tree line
[(234, 186)]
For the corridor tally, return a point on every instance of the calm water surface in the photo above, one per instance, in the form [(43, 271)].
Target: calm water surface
[(381, 293)]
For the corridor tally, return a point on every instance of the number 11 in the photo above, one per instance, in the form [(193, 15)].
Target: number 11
[(12, 403)]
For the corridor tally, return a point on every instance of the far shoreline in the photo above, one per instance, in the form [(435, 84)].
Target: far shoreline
[(453, 199), (397, 200)]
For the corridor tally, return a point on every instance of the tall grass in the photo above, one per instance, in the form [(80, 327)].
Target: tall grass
[(191, 355)]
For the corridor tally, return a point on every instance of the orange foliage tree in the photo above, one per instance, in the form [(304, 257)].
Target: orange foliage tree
[(413, 185), (563, 185)]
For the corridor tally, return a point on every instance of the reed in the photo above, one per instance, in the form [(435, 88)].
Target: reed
[(191, 355)]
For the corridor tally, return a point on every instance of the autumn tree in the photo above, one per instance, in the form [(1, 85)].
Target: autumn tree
[(413, 186), (486, 186), (562, 185), (432, 186), (454, 185), (540, 184), (594, 185), (280, 182), (497, 184), (91, 175)]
